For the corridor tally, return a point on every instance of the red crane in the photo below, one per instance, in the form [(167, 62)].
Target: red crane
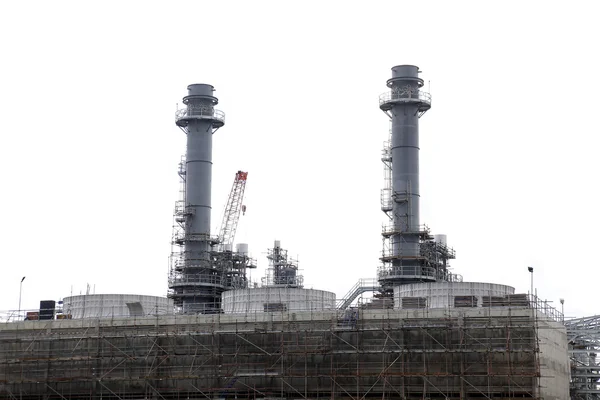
[(234, 206)]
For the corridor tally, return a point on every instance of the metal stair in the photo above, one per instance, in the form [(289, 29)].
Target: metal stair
[(362, 286)]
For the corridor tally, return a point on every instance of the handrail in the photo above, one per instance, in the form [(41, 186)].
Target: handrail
[(201, 112), (405, 95), (390, 228), (208, 279), (182, 209), (194, 237), (513, 301), (386, 198), (399, 272), (385, 272), (363, 285), (386, 152), (544, 308)]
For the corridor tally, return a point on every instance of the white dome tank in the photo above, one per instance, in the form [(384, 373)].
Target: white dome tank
[(450, 295), (272, 299), (115, 305)]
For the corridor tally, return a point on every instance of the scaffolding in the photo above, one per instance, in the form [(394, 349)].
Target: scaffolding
[(352, 354), (433, 259), (215, 270), (432, 263)]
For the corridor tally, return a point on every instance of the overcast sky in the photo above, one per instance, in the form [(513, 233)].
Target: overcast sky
[(89, 148)]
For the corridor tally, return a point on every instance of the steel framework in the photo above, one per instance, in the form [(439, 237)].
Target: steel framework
[(223, 270), (282, 270), (584, 345), (234, 207)]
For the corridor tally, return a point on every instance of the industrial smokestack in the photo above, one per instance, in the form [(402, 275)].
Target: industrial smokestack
[(404, 104), (199, 124), (194, 284)]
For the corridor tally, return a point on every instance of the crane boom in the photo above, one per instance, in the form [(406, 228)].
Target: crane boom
[(231, 216)]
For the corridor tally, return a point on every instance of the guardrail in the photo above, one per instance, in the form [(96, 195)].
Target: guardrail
[(197, 280), (544, 308), (325, 309), (404, 271), (32, 315), (182, 209), (386, 199), (363, 285), (194, 237), (406, 96), (200, 113), (392, 229)]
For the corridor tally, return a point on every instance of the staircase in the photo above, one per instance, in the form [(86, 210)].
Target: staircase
[(362, 286)]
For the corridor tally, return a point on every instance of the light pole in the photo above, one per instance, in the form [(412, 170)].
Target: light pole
[(530, 269), (20, 291), (562, 308)]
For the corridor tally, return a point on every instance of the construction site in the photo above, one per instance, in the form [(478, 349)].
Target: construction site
[(417, 330)]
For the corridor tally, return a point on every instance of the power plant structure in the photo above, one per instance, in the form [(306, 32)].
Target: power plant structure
[(199, 272), (410, 252), (425, 334)]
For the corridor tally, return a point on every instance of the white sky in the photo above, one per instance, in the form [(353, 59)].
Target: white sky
[(89, 148)]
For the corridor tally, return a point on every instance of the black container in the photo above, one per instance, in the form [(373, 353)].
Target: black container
[(47, 308)]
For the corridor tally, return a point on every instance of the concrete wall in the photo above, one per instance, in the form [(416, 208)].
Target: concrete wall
[(554, 360)]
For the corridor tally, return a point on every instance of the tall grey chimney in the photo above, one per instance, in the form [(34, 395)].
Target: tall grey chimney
[(404, 103), (195, 285)]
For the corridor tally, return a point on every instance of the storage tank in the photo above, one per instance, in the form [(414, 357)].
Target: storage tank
[(441, 239), (47, 309), (273, 299), (115, 305), (452, 295), (242, 248)]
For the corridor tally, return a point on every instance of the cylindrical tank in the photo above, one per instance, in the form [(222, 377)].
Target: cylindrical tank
[(441, 239), (273, 299), (115, 305), (242, 248), (449, 294)]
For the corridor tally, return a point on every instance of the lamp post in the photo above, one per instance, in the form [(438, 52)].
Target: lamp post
[(562, 308), (530, 269), (20, 291)]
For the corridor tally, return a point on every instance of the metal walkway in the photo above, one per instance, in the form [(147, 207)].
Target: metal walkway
[(362, 286)]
